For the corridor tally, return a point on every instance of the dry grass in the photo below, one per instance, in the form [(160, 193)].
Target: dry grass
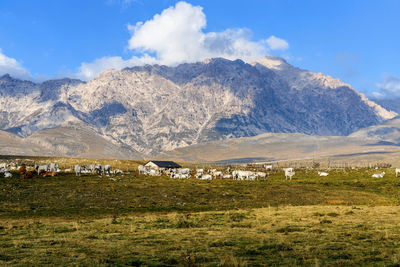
[(304, 235), (347, 218)]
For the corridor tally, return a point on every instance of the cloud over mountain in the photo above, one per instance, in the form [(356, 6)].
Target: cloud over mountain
[(177, 35), (11, 66)]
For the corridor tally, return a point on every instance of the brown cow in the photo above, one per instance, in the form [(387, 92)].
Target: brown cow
[(49, 174), (29, 174), (22, 170)]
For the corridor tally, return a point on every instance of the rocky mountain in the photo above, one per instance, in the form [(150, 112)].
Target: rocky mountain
[(151, 109)]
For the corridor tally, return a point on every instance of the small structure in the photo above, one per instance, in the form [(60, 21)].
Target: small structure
[(155, 167)]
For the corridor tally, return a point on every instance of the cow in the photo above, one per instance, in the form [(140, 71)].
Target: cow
[(323, 173), (184, 171), (268, 167), (78, 169), (141, 169), (252, 177), (118, 171), (217, 174), (107, 169), (98, 169), (289, 173), (378, 175), (243, 175), (22, 170), (206, 177), (29, 174), (6, 173), (49, 174), (52, 167), (41, 168), (261, 175), (397, 171)]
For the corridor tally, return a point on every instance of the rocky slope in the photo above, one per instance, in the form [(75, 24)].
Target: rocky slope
[(152, 109)]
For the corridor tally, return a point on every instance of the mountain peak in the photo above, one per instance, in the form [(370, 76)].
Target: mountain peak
[(6, 77), (272, 62)]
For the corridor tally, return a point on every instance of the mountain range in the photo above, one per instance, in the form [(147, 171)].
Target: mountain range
[(147, 110)]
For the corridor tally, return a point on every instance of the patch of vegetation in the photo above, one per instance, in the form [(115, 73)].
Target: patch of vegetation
[(325, 221), (289, 229), (332, 214)]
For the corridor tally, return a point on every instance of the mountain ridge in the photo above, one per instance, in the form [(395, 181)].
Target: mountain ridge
[(150, 109)]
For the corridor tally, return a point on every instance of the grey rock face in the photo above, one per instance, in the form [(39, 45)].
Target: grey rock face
[(156, 108)]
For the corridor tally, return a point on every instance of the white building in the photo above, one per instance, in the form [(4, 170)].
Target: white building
[(155, 167)]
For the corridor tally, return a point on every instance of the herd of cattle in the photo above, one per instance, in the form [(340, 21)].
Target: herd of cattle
[(52, 169), (185, 173)]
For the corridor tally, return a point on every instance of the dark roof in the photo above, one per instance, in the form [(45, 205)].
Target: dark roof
[(165, 164)]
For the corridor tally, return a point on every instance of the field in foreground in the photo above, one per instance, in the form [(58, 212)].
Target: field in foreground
[(347, 218)]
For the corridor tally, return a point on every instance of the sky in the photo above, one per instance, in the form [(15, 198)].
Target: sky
[(356, 41)]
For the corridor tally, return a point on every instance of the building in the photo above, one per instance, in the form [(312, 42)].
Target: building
[(155, 167)]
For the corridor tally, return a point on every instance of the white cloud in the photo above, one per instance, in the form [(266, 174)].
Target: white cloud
[(276, 43), (12, 67), (88, 71), (177, 36), (389, 87)]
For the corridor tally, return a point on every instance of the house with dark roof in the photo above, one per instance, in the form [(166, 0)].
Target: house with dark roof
[(158, 167)]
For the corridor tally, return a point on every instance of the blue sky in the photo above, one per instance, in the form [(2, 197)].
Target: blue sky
[(356, 41)]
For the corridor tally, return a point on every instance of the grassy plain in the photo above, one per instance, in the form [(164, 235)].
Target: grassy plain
[(347, 218)]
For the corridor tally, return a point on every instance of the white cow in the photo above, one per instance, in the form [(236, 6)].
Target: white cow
[(53, 167), (243, 175), (175, 175), (107, 169), (199, 171), (184, 170), (378, 175), (206, 177), (289, 173), (397, 171), (42, 168), (118, 171), (227, 176), (268, 167), (252, 177), (141, 169), (323, 173), (217, 174), (185, 176), (261, 175), (6, 173), (3, 165), (78, 170)]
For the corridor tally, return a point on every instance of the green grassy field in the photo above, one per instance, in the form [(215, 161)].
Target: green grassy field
[(347, 218)]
